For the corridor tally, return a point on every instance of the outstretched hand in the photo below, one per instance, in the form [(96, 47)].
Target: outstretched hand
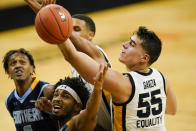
[(87, 119), (43, 104), (47, 2), (36, 6), (100, 75)]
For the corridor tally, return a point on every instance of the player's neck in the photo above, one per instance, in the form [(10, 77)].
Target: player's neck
[(22, 86), (143, 68), (62, 122)]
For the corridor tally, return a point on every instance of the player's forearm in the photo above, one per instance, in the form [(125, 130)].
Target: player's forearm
[(86, 46), (84, 65), (35, 6), (68, 50), (94, 103)]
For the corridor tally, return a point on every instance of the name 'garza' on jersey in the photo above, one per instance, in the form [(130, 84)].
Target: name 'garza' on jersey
[(145, 109), (26, 117)]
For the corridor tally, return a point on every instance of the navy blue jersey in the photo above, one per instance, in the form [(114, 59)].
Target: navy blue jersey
[(64, 128), (26, 117)]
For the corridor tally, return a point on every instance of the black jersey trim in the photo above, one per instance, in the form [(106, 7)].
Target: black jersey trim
[(106, 58), (124, 117), (163, 82), (145, 74), (132, 93), (106, 102)]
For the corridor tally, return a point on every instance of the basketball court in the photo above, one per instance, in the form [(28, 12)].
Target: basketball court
[(175, 23)]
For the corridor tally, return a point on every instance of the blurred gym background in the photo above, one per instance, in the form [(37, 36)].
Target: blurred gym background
[(17, 12)]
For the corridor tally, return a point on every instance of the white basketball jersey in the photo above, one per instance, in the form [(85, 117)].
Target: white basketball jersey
[(145, 109), (104, 114)]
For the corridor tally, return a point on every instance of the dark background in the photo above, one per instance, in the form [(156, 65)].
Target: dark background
[(16, 17)]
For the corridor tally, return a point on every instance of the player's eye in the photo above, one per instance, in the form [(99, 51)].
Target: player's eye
[(132, 43), (65, 95), (55, 95), (76, 29), (12, 63), (23, 62)]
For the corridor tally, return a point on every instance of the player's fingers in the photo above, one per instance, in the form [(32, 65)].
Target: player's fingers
[(101, 72), (49, 103), (44, 99), (37, 105), (49, 106), (40, 105), (47, 2), (105, 68), (42, 102), (53, 1), (43, 3)]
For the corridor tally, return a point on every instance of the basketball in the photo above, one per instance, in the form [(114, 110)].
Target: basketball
[(53, 24)]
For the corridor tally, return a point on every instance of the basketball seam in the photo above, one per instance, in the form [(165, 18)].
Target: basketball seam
[(46, 29), (57, 23)]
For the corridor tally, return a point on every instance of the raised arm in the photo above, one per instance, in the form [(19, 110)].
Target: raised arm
[(86, 120), (87, 47), (80, 43), (119, 85), (36, 6)]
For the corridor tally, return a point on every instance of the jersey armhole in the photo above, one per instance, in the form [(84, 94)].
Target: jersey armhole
[(106, 102), (6, 101), (105, 56), (132, 93), (163, 82), (42, 88)]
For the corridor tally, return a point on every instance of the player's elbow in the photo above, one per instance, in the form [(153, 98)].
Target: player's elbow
[(172, 111)]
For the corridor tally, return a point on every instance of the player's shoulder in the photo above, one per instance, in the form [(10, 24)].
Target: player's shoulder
[(9, 99), (10, 96), (43, 84)]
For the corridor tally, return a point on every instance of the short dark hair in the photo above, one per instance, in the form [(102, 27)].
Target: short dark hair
[(89, 22), (11, 52), (150, 43), (78, 86)]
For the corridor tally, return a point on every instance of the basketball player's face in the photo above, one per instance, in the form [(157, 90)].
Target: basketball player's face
[(19, 67), (79, 26), (63, 104), (132, 52)]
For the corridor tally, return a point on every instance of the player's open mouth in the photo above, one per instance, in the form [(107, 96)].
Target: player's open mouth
[(122, 53), (18, 72), (56, 108)]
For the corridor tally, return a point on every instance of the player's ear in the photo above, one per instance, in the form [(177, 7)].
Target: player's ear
[(145, 58), (9, 75), (78, 107), (91, 35), (32, 70)]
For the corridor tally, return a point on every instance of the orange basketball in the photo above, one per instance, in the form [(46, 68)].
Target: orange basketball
[(53, 24)]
